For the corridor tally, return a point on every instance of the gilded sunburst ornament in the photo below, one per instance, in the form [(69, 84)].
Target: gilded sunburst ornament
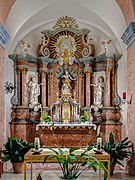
[(66, 22)]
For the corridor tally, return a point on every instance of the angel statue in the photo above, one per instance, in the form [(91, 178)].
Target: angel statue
[(68, 76), (25, 46), (106, 44)]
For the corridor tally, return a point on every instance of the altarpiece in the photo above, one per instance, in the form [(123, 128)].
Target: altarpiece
[(61, 84)]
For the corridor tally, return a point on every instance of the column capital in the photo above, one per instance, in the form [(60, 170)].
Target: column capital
[(18, 70), (80, 73), (88, 72), (24, 70), (51, 74), (108, 70), (43, 73)]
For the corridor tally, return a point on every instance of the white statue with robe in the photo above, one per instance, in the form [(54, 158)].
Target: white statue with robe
[(34, 91), (99, 91)]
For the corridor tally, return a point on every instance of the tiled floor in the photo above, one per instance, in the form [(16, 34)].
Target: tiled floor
[(51, 175)]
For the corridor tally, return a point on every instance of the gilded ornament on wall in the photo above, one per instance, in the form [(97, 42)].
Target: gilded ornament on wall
[(65, 48), (66, 22), (66, 42)]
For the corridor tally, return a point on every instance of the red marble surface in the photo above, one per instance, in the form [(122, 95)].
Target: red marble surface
[(67, 137), (115, 129), (18, 86), (43, 80), (107, 87), (87, 89), (24, 91)]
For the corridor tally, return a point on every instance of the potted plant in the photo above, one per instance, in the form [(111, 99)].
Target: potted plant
[(118, 151), (14, 151), (84, 118), (45, 118), (73, 165)]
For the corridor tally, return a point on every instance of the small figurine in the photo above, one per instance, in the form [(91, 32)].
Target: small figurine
[(106, 44), (39, 177), (25, 46)]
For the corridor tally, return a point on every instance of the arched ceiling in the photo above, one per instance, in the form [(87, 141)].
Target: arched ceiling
[(27, 15)]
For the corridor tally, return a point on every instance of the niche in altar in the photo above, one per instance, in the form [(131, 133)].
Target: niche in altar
[(62, 83)]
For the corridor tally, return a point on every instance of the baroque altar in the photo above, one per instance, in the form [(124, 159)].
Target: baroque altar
[(61, 83)]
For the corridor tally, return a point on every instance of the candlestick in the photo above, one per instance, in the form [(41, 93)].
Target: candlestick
[(99, 143)]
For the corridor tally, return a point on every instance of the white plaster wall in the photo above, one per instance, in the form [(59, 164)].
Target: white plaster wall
[(9, 76)]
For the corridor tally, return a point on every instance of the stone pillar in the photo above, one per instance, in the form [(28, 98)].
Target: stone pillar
[(92, 89), (107, 87), (88, 93), (18, 85), (24, 89), (77, 84), (129, 39), (113, 85), (81, 87), (43, 81), (50, 88)]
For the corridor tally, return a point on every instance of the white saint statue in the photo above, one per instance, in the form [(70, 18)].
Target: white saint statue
[(99, 91), (34, 90)]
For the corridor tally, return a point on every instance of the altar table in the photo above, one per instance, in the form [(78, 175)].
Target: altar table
[(39, 158)]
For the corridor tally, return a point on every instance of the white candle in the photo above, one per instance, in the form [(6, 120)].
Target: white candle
[(99, 143), (37, 143)]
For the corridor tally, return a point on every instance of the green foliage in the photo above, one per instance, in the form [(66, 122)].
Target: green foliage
[(118, 151), (45, 118), (84, 118), (15, 149), (72, 165)]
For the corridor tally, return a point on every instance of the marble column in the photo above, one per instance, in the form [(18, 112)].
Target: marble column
[(81, 88), (18, 85), (43, 81), (77, 89), (50, 88), (113, 85), (24, 90), (107, 87), (88, 98), (92, 89)]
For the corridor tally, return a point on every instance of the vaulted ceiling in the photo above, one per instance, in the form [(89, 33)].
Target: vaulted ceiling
[(27, 15)]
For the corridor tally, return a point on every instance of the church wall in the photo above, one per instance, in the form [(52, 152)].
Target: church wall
[(131, 93), (127, 10), (129, 13), (5, 7)]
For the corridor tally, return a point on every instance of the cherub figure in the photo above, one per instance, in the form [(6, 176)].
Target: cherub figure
[(25, 46), (68, 76), (106, 44)]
